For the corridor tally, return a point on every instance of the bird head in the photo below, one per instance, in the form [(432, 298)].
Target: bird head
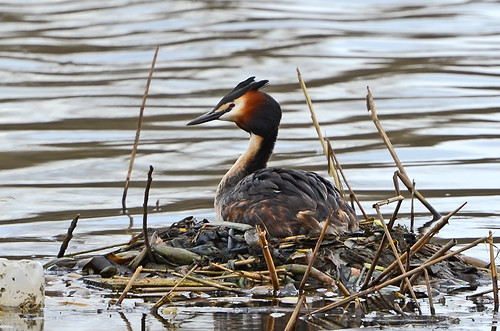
[(252, 110)]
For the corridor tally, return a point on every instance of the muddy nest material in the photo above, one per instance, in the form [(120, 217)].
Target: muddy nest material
[(219, 249)]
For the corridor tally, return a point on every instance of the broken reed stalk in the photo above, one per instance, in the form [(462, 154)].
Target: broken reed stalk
[(300, 269), (129, 285), (342, 288), (419, 244), (398, 258), (439, 253), (268, 257), (295, 315), (412, 209), (138, 132), (68, 237), (315, 252), (210, 283), (429, 292), (406, 181), (383, 242), (388, 304), (242, 273), (293, 319), (332, 169), (145, 214), (396, 279), (370, 105), (332, 158), (96, 249), (494, 273), (331, 154), (166, 297)]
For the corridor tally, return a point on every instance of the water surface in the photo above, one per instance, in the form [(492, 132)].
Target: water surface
[(73, 74)]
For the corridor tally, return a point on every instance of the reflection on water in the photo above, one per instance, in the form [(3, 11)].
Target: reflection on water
[(73, 74)]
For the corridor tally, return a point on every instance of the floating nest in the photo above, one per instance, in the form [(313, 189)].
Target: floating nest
[(226, 256)]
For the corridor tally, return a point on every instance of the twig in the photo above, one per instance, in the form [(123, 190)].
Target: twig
[(129, 284), (318, 129), (68, 237), (429, 292), (419, 244), (145, 214), (396, 279), (269, 259), (166, 297), (494, 273), (138, 132)]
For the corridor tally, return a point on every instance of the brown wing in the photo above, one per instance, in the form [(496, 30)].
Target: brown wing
[(288, 202)]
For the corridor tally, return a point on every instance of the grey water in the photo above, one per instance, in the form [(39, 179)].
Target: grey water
[(72, 76)]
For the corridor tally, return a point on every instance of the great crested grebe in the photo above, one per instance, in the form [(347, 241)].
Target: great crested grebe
[(285, 202)]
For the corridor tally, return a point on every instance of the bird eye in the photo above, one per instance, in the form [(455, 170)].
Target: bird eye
[(232, 105)]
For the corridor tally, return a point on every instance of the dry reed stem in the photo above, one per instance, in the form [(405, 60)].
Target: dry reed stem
[(268, 257), (406, 181), (332, 169), (396, 279), (242, 273), (437, 254), (295, 315), (342, 288), (475, 295), (96, 249), (145, 214), (429, 292), (398, 258), (388, 304), (138, 131), (332, 158), (331, 153), (389, 200), (68, 237), (315, 252), (383, 242), (129, 284), (419, 244), (166, 297), (370, 105), (210, 283), (494, 273)]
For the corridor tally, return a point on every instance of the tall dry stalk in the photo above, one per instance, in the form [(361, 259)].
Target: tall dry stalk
[(138, 132)]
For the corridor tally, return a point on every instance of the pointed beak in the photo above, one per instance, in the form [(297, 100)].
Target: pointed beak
[(210, 116)]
